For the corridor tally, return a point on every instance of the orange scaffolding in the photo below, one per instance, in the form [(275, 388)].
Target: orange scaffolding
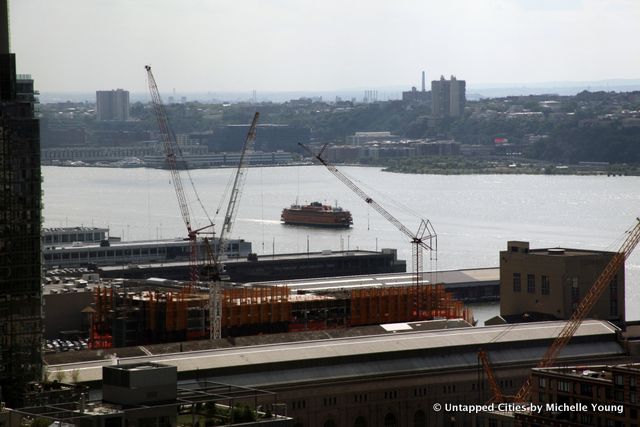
[(170, 316), (397, 304), (252, 306)]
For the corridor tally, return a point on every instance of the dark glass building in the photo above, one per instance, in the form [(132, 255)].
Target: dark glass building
[(20, 218)]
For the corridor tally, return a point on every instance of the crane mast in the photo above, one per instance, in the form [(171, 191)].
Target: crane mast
[(425, 238), (216, 265)]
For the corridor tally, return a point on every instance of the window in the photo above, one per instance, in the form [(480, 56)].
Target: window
[(420, 419), (531, 283), (329, 401), (516, 282), (618, 379), (542, 382), (563, 386), (544, 285)]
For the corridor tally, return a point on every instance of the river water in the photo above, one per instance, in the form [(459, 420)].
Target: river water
[(473, 215)]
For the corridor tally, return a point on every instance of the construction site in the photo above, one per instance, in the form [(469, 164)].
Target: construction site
[(209, 306), (153, 315)]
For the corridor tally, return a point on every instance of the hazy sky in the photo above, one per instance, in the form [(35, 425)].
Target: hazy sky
[(272, 45)]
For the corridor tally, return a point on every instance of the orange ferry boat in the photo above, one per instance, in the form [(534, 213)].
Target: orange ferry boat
[(317, 214)]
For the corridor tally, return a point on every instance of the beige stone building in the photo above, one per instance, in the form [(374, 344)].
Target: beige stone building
[(549, 283)]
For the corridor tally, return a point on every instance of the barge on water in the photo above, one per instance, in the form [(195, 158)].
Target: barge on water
[(317, 215)]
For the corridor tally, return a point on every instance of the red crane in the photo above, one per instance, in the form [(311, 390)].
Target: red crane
[(424, 238), (172, 153)]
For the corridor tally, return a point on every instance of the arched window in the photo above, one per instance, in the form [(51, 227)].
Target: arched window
[(390, 420), (419, 419), (360, 422), (330, 423)]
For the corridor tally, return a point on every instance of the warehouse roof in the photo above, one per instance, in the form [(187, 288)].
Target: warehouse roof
[(427, 349)]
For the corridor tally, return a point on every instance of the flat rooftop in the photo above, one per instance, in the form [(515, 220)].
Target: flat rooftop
[(401, 351), (261, 258), (567, 252), (451, 278)]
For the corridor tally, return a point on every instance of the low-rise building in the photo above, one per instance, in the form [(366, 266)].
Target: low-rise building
[(550, 283)]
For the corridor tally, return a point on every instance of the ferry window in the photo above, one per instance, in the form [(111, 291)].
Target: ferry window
[(119, 252), (136, 252), (154, 251), (127, 251), (65, 238), (65, 255), (109, 253), (47, 257), (145, 251), (101, 254), (74, 255), (92, 254)]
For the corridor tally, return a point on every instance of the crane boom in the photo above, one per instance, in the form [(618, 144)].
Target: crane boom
[(238, 184), (171, 149), (493, 382), (425, 226), (584, 307), (419, 240)]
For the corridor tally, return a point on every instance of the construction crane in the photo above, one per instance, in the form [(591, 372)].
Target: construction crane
[(172, 153), (424, 238), (216, 259), (574, 322)]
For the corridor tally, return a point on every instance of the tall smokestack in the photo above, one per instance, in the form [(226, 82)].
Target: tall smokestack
[(4, 26), (423, 82)]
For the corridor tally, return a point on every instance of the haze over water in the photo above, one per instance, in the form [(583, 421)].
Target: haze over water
[(474, 215)]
